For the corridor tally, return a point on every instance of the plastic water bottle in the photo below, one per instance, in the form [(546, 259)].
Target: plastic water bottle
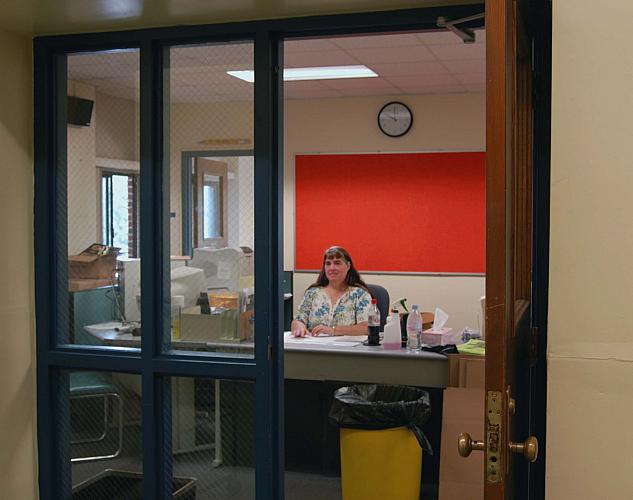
[(373, 326), (414, 329)]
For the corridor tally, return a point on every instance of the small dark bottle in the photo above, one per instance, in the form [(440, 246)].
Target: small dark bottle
[(203, 302), (373, 325), (403, 329)]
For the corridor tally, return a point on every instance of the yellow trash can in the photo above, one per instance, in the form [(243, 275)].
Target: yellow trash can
[(383, 464)]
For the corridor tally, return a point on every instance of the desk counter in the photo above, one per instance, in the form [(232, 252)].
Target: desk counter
[(323, 360)]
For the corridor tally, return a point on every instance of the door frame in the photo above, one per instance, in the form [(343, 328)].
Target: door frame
[(50, 147), (187, 158), (540, 22)]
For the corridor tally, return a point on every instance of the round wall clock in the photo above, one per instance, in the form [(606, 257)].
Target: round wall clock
[(395, 119)]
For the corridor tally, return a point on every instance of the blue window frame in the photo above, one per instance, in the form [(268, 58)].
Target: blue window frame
[(155, 365)]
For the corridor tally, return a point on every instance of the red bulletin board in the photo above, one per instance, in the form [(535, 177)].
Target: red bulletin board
[(394, 212)]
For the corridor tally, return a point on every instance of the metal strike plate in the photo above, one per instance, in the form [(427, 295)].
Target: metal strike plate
[(494, 406)]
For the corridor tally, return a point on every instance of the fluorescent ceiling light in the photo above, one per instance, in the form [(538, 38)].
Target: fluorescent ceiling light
[(320, 73)]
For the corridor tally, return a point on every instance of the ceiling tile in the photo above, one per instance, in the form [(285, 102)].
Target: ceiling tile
[(441, 37), (471, 78), (305, 86), (422, 80), (462, 51), (86, 71), (201, 96), (314, 59), (127, 56), (471, 66), (369, 92), (392, 54), (358, 84), (309, 45), (312, 94), (377, 41), (212, 55), (434, 89), (475, 87), (409, 68), (101, 84)]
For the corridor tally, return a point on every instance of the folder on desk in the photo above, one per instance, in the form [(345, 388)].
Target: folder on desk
[(341, 341)]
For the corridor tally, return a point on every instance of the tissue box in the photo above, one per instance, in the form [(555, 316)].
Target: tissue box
[(432, 337)]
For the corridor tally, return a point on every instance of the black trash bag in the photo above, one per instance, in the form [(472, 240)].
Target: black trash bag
[(383, 407)]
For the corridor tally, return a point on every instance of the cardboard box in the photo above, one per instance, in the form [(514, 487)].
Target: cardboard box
[(95, 262), (467, 371), (461, 478), (230, 300)]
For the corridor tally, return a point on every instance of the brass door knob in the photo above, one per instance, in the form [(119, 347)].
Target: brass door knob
[(465, 445), (529, 449)]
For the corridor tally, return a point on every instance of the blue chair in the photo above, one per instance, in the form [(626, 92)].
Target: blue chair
[(91, 385), (382, 297)]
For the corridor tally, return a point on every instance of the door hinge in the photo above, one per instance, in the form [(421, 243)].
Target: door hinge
[(494, 436)]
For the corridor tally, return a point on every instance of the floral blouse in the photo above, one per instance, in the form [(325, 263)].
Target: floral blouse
[(351, 308)]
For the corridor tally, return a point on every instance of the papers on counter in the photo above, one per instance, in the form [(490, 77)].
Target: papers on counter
[(340, 341)]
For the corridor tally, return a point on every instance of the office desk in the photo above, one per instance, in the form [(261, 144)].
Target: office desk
[(320, 361)]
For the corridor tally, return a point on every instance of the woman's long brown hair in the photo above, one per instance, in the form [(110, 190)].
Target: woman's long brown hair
[(353, 276)]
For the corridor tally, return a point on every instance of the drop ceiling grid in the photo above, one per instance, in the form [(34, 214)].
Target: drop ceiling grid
[(408, 63)]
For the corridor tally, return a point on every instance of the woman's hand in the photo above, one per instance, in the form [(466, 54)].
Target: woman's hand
[(322, 330), (299, 329)]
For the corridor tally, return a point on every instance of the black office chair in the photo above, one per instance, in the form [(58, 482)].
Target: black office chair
[(382, 297)]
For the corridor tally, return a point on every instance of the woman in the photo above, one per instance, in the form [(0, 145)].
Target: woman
[(338, 303)]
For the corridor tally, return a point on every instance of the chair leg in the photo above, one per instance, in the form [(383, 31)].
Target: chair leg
[(105, 421), (117, 452)]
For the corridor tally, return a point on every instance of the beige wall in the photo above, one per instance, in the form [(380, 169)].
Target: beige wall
[(452, 122), (117, 135), (18, 465), (111, 141), (590, 345), (82, 177)]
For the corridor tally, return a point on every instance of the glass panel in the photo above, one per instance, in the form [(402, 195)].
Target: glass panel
[(212, 210), (211, 173), (104, 432), (213, 437), (102, 199), (348, 182)]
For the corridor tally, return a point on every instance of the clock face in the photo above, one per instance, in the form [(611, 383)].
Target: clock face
[(395, 119)]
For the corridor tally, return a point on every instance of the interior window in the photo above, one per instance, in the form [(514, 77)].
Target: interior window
[(210, 203), (119, 211)]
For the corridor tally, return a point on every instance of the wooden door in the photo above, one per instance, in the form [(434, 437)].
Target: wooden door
[(210, 203), (509, 195)]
